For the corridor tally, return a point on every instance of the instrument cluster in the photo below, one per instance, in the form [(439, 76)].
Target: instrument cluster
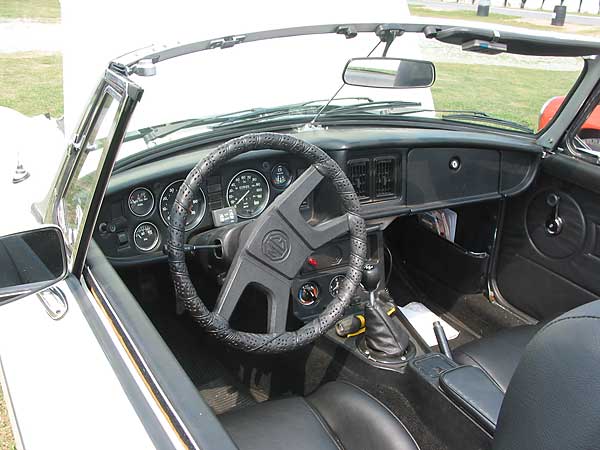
[(137, 222)]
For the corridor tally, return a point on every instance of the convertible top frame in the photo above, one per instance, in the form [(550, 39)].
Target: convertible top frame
[(517, 42)]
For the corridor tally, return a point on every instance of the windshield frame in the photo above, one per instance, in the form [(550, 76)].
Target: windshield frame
[(525, 42)]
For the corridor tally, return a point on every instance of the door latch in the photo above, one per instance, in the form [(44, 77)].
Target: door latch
[(554, 223)]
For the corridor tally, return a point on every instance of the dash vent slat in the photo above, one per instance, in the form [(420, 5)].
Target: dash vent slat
[(358, 173), (385, 177)]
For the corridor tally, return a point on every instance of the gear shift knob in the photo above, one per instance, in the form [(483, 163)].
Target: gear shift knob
[(370, 277)]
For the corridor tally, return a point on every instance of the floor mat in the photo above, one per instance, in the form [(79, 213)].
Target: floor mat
[(215, 383), (473, 315)]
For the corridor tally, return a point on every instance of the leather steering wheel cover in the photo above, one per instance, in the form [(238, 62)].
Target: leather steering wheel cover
[(213, 323)]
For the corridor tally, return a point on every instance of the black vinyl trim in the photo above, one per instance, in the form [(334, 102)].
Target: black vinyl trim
[(149, 420), (147, 346), (574, 170)]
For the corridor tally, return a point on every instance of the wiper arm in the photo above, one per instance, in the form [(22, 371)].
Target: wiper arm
[(483, 117)]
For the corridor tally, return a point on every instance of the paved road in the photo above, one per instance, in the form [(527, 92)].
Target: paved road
[(526, 13)]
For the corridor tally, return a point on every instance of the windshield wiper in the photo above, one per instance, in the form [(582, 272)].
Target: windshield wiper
[(457, 115), (370, 106), (483, 117), (153, 133)]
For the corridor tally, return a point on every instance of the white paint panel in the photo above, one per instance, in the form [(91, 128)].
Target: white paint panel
[(63, 390)]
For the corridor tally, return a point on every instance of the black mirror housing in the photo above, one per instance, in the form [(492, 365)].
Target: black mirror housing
[(31, 260)]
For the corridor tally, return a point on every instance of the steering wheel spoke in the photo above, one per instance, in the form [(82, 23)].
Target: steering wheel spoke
[(247, 271)]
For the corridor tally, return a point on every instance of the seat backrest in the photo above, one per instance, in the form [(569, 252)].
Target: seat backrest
[(553, 399)]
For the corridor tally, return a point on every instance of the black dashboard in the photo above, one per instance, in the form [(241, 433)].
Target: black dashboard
[(394, 172)]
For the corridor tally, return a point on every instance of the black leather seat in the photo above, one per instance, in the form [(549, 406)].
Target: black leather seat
[(553, 401), (337, 416), (498, 355)]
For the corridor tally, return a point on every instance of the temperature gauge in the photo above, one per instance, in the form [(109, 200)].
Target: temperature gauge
[(308, 294), (280, 176), (146, 237)]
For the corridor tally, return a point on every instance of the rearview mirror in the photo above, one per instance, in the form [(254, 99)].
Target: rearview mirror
[(31, 260), (395, 73)]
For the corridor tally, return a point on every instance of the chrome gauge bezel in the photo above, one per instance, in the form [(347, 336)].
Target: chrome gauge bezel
[(198, 219), (151, 197), (263, 206), (156, 243)]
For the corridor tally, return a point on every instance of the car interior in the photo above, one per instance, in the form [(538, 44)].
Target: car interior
[(495, 284), (363, 286)]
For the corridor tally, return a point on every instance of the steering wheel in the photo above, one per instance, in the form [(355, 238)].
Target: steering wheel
[(273, 248)]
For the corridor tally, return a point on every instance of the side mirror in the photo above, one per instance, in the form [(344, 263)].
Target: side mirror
[(31, 260), (395, 73)]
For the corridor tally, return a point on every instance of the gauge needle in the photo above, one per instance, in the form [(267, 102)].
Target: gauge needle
[(242, 198)]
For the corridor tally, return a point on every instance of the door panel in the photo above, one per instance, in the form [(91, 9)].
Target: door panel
[(539, 271)]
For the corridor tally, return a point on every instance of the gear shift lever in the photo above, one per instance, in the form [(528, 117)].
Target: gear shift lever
[(370, 280), (385, 338)]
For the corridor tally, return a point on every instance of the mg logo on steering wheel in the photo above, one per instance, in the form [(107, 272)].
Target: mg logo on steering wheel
[(276, 245)]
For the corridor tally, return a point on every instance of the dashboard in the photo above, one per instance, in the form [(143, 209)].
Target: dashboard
[(394, 171), (133, 222)]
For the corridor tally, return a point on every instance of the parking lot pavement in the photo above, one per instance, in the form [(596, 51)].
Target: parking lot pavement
[(525, 13)]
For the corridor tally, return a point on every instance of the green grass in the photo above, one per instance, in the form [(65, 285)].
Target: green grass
[(6, 437), (32, 83), (507, 92), (39, 10), (502, 19)]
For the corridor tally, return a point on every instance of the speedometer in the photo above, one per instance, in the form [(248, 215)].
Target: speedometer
[(195, 213), (248, 192)]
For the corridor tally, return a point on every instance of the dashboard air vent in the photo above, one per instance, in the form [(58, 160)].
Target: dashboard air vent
[(358, 174), (385, 177)]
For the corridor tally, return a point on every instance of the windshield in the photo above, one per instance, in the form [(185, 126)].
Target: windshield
[(293, 78)]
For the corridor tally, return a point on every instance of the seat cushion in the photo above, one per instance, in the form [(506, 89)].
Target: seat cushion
[(337, 416), (498, 355)]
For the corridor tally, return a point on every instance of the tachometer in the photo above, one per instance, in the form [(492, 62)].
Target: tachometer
[(195, 213), (248, 192)]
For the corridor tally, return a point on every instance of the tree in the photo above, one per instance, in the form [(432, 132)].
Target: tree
[(580, 3), (523, 3)]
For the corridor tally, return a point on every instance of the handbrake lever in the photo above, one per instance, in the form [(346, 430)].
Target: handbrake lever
[(442, 340)]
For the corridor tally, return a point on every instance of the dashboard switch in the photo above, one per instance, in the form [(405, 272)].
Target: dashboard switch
[(123, 239)]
